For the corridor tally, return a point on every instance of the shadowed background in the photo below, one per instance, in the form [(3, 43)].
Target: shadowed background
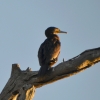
[(22, 26)]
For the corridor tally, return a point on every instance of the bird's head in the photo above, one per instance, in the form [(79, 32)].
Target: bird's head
[(52, 30)]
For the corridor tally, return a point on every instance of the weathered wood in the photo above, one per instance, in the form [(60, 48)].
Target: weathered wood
[(21, 84), (22, 90)]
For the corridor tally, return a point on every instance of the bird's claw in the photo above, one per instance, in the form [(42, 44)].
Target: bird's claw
[(53, 69)]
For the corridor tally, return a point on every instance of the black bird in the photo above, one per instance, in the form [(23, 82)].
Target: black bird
[(49, 50)]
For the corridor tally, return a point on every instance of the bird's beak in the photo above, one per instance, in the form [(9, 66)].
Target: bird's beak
[(62, 32)]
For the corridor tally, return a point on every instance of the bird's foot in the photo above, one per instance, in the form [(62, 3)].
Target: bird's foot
[(49, 68), (53, 69)]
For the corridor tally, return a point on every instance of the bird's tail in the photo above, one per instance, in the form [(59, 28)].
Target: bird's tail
[(43, 70)]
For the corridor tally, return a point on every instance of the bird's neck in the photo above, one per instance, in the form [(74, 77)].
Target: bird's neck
[(54, 36)]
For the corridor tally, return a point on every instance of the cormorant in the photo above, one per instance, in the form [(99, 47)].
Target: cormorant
[(49, 50)]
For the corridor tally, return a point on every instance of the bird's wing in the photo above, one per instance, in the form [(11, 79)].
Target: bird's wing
[(47, 51), (43, 52)]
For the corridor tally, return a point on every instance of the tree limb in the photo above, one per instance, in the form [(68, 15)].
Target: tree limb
[(21, 84)]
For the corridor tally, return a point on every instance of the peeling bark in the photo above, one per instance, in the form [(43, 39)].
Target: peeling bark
[(22, 84)]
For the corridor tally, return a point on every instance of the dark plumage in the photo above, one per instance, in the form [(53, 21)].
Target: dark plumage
[(49, 50)]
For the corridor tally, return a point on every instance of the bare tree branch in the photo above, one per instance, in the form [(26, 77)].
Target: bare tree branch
[(21, 84)]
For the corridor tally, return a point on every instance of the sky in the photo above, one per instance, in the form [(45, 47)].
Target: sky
[(22, 26)]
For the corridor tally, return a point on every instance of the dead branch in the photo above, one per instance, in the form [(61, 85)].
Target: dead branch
[(22, 84)]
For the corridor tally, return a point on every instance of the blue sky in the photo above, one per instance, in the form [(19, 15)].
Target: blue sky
[(22, 26)]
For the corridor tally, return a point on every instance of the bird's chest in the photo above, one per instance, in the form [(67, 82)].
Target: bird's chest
[(55, 47), (55, 44)]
